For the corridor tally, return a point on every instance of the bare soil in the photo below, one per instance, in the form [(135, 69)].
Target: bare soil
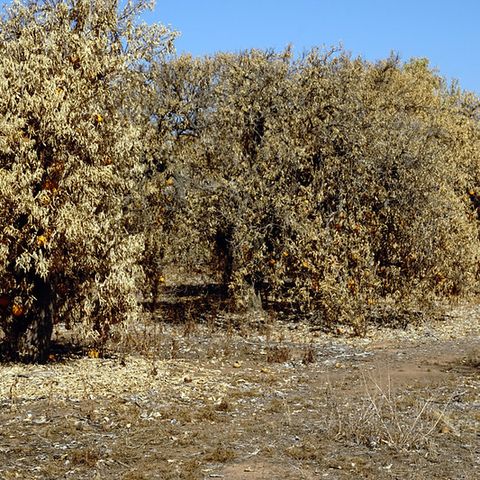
[(250, 399)]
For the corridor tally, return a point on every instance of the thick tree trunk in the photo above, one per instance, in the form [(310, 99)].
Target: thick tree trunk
[(28, 337), (33, 344)]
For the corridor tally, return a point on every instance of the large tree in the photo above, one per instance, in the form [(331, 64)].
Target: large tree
[(330, 183), (73, 76)]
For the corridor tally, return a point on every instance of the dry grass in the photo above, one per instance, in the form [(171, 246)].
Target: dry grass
[(383, 417), (473, 360), (198, 402)]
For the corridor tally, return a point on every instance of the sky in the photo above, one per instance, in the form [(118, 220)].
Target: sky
[(446, 32)]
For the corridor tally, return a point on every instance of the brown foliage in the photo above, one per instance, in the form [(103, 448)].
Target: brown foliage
[(328, 183), (71, 152)]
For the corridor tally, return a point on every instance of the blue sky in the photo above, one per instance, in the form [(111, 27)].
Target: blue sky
[(446, 32)]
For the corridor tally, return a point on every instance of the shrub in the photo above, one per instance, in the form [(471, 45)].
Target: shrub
[(329, 183), (73, 76)]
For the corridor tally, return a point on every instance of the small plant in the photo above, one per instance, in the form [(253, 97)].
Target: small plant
[(473, 360), (309, 354), (382, 419), (220, 454), (84, 456), (279, 354)]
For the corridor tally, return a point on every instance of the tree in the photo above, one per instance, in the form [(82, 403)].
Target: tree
[(73, 76), (331, 184)]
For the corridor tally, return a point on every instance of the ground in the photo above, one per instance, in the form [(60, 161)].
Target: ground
[(276, 400)]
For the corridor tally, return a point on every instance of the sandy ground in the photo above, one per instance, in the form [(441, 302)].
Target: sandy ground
[(276, 400)]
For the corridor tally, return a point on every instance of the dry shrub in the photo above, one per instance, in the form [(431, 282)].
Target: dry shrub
[(384, 418), (279, 354), (72, 74), (327, 183)]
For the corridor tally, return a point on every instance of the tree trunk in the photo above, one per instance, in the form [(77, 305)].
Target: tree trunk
[(224, 252), (28, 337)]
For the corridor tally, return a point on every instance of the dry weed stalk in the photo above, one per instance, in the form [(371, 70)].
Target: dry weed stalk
[(401, 432), (381, 420)]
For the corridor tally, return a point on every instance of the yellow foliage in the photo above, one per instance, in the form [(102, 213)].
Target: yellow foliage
[(47, 139)]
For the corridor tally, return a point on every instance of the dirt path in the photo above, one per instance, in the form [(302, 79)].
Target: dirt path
[(279, 402)]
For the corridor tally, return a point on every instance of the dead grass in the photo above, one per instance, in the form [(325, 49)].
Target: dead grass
[(473, 360), (279, 354), (383, 417), (195, 403)]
